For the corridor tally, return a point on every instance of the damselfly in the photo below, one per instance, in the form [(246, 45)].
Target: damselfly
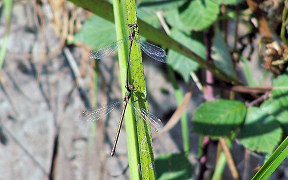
[(151, 50), (96, 114)]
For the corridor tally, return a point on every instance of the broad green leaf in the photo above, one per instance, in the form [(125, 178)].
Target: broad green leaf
[(261, 132), (173, 19), (221, 55), (200, 14), (219, 118), (149, 16), (173, 166), (247, 71), (283, 120), (280, 90), (275, 109), (231, 2), (96, 32), (180, 63)]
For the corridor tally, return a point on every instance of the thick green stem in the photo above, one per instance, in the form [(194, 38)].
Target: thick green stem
[(284, 23), (139, 142), (139, 98), (132, 142)]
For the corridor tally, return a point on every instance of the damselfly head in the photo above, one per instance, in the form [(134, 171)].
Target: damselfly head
[(131, 87)]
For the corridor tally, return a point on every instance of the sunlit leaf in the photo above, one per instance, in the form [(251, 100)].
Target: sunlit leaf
[(180, 63), (200, 14), (96, 32), (219, 118)]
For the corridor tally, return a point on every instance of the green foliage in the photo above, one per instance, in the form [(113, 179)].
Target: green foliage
[(220, 54), (180, 63), (261, 132), (149, 16), (219, 118), (200, 14), (227, 1), (280, 90), (173, 166), (96, 32), (259, 128), (173, 18), (159, 4)]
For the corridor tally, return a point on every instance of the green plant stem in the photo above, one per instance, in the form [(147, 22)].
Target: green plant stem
[(184, 118), (132, 142), (139, 98), (139, 142), (219, 167), (284, 23), (104, 10), (7, 13)]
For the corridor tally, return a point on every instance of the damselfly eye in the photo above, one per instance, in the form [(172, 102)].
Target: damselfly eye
[(131, 87)]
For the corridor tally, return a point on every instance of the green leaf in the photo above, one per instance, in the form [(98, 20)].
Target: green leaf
[(200, 14), (275, 109), (283, 120), (149, 16), (180, 63), (173, 166), (173, 18), (230, 2), (96, 32), (221, 55), (160, 5), (219, 118), (261, 132), (247, 71), (280, 90)]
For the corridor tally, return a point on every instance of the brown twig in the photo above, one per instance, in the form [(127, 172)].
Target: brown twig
[(258, 100), (229, 158), (244, 89)]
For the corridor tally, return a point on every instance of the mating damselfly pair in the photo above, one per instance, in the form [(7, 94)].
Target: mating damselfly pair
[(152, 51)]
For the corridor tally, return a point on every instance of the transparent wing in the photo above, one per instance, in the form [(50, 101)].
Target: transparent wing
[(95, 114), (153, 51), (106, 50), (153, 120)]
